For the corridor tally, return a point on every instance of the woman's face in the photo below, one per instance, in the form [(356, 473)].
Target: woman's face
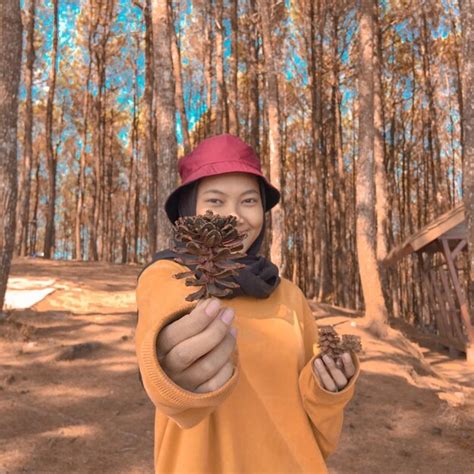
[(236, 194)]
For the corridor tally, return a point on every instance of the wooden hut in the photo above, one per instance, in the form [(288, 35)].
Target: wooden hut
[(439, 246)]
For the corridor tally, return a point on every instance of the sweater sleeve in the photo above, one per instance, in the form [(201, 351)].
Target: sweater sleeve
[(161, 300), (324, 408)]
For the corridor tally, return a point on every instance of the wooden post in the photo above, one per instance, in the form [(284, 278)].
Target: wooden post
[(453, 311), (462, 301), (443, 331), (458, 248), (438, 293)]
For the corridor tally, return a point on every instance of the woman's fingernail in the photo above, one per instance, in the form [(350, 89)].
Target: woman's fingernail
[(228, 315), (233, 331), (212, 307)]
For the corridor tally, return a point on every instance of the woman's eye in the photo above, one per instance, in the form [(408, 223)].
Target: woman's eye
[(251, 199), (212, 200)]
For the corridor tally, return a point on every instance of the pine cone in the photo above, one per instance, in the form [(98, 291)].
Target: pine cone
[(351, 343), (330, 343), (212, 243)]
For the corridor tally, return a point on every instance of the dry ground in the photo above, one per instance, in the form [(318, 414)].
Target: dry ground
[(85, 411)]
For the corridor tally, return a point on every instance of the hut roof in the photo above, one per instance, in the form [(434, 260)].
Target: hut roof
[(450, 225)]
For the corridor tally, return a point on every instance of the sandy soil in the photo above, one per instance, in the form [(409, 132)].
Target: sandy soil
[(84, 411)]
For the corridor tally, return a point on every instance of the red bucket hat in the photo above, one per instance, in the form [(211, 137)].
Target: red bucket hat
[(217, 155)]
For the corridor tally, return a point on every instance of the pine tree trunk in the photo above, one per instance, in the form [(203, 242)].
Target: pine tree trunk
[(49, 238), (336, 213), (254, 115), (375, 308), (35, 200), (23, 212), (380, 175), (234, 64), (208, 66), (274, 131), (431, 120), (125, 240), (178, 78), (381, 186), (98, 230), (318, 20), (310, 170), (152, 165), (137, 212), (82, 164), (165, 117), (10, 72), (222, 120), (467, 15)]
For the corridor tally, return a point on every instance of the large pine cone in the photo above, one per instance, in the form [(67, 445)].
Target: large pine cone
[(212, 244)]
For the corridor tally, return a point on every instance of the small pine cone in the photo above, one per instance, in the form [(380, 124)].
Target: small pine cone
[(351, 342), (329, 341)]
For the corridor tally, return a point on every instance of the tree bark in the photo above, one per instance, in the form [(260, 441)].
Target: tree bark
[(208, 66), (375, 309), (467, 16), (10, 72), (23, 212), (82, 164), (276, 249), (125, 235), (380, 175), (222, 119), (35, 199), (234, 66), (176, 55), (165, 117), (148, 113), (49, 237), (254, 114)]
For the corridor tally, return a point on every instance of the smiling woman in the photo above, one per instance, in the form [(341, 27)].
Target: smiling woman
[(223, 195), (209, 368)]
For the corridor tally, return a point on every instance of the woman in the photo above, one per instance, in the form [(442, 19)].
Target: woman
[(237, 382)]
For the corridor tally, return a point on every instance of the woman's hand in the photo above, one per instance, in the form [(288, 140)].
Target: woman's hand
[(196, 350), (332, 377)]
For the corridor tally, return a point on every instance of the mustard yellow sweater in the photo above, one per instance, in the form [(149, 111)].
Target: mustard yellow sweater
[(272, 416)]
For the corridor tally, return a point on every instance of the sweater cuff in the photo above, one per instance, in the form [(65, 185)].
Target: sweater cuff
[(324, 395), (154, 376)]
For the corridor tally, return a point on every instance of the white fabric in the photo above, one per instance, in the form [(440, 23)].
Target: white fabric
[(24, 293)]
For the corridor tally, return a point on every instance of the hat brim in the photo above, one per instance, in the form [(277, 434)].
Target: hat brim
[(272, 196)]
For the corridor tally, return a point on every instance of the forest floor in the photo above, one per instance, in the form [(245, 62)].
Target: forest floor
[(84, 410)]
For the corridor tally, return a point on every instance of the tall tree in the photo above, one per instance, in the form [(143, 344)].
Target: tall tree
[(85, 133), (379, 151), (375, 309), (10, 72), (152, 165), (222, 117), (25, 180), (176, 55), (274, 136), (234, 65), (253, 91), (467, 15), (51, 162), (165, 116)]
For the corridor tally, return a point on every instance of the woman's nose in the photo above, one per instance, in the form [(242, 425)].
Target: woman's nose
[(233, 212)]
